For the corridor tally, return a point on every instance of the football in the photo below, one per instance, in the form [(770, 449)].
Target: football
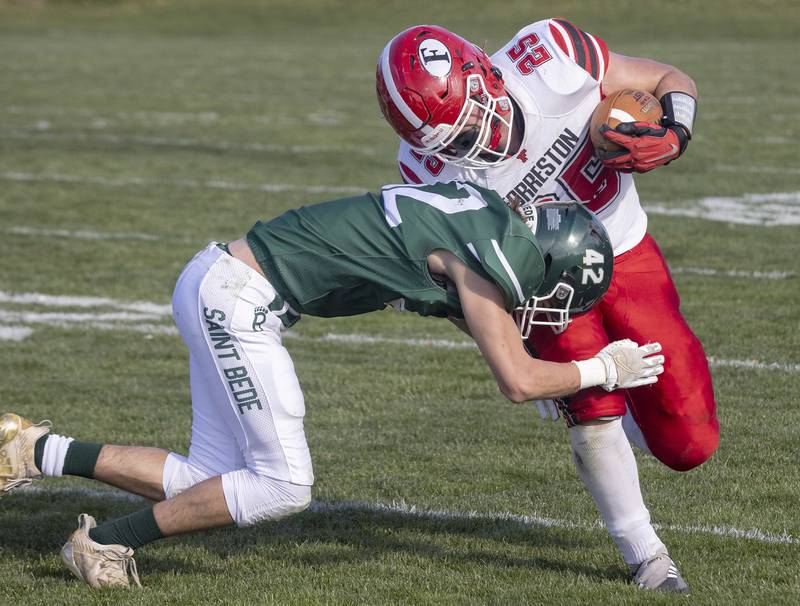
[(623, 106)]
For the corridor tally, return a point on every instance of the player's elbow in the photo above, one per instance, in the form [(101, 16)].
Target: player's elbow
[(532, 381), (513, 392), (520, 387)]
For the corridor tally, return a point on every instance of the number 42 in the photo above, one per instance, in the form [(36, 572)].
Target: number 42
[(592, 257)]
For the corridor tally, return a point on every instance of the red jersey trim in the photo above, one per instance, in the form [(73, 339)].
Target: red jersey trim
[(587, 51), (409, 176)]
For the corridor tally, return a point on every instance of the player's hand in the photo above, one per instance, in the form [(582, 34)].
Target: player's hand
[(647, 146), (629, 365), (547, 409)]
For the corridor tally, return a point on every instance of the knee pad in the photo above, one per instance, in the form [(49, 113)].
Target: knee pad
[(252, 498), (598, 435), (179, 474)]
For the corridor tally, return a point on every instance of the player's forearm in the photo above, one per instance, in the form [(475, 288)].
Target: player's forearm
[(675, 80), (645, 74), (545, 380), (539, 380)]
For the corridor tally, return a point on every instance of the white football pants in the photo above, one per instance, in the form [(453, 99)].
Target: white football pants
[(247, 407)]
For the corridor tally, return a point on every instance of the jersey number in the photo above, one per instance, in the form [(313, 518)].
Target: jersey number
[(527, 55), (473, 201), (431, 163), (589, 180)]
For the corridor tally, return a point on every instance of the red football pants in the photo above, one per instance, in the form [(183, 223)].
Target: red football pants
[(677, 415)]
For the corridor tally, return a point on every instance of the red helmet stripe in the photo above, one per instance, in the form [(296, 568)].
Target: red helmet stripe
[(391, 87)]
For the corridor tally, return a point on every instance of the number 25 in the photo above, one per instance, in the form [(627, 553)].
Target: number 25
[(527, 62)]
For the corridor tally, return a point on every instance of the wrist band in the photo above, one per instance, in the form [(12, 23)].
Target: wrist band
[(679, 108), (593, 372)]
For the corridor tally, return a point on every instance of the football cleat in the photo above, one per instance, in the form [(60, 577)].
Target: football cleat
[(18, 437), (659, 573), (97, 564)]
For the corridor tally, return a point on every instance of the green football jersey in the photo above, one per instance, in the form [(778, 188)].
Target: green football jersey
[(360, 254)]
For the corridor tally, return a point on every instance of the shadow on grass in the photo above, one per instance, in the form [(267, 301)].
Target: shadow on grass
[(328, 534)]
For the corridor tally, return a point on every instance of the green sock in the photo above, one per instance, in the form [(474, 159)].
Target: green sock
[(81, 458), (132, 531)]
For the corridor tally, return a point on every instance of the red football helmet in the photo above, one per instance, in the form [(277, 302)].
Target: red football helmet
[(443, 97)]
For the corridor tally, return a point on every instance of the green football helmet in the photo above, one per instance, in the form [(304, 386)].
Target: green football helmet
[(578, 260)]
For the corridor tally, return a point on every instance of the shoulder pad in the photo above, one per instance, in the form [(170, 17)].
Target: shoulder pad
[(550, 48), (587, 51)]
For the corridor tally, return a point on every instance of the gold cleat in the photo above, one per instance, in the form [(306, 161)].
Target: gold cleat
[(97, 564), (18, 437)]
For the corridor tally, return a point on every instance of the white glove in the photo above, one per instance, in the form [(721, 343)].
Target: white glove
[(547, 409), (629, 365)]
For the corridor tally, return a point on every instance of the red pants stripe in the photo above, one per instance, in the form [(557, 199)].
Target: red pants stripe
[(677, 415)]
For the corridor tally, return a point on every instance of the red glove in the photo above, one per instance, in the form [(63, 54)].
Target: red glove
[(647, 146)]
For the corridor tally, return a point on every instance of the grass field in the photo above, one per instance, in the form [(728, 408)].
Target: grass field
[(131, 133)]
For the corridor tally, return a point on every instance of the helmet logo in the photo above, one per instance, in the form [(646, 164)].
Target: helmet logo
[(553, 219), (435, 58)]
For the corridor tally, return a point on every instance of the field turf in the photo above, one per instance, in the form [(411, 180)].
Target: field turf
[(131, 133)]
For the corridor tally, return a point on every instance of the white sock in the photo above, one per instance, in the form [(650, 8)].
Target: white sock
[(55, 451), (634, 433), (607, 467)]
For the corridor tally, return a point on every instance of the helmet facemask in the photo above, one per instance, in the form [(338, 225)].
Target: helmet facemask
[(551, 310), (472, 142)]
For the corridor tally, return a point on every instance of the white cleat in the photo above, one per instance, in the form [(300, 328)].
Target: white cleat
[(97, 564), (659, 573), (18, 437)]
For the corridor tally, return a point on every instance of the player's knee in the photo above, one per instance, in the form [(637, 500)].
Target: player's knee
[(593, 436), (253, 498), (692, 451), (179, 474)]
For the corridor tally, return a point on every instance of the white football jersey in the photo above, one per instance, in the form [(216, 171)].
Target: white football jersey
[(553, 71)]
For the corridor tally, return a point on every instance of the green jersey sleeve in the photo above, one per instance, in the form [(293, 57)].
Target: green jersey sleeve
[(508, 264)]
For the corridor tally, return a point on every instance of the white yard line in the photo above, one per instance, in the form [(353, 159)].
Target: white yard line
[(734, 273), (767, 210), (771, 170), (154, 119), (14, 333), (151, 319), (713, 361), (159, 118), (214, 184), (41, 133), (82, 234), (412, 511), (35, 298), (358, 339)]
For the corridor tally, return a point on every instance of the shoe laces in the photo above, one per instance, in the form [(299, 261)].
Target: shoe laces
[(116, 566), (641, 576)]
